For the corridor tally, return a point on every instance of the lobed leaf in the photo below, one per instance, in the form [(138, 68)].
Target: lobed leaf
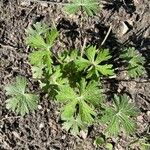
[(118, 117), (20, 102)]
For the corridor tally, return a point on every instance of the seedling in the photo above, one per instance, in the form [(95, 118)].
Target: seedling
[(42, 39), (134, 62), (88, 6), (20, 101), (73, 79), (117, 117)]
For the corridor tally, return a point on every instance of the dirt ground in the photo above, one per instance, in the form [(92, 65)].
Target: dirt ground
[(42, 130)]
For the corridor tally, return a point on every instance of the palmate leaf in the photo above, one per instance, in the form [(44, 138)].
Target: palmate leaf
[(86, 112), (118, 117), (19, 101), (92, 65), (89, 6), (41, 37), (66, 93), (79, 101), (135, 62), (91, 92)]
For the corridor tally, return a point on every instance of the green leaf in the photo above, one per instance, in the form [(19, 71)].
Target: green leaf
[(91, 92), (20, 102), (135, 62), (103, 55), (36, 41), (74, 125), (42, 38), (119, 116), (36, 57), (92, 65), (90, 53), (51, 36), (56, 77), (69, 110), (37, 28), (105, 70), (86, 112), (82, 64), (66, 93), (79, 101), (89, 6), (37, 71)]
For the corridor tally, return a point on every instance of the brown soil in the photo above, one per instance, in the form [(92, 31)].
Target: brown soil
[(42, 130)]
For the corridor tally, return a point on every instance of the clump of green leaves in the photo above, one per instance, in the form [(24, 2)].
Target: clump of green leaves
[(134, 62), (117, 117), (89, 6), (73, 79), (20, 101), (42, 39)]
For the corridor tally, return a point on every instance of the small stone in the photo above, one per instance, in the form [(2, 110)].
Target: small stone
[(124, 28), (41, 125), (39, 107), (83, 134), (140, 119), (148, 115), (25, 3), (16, 134), (44, 4)]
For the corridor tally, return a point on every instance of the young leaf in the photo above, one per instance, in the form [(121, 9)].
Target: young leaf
[(19, 101), (66, 93), (36, 41), (89, 6), (37, 28), (42, 38), (40, 59), (79, 101), (36, 57), (74, 125), (86, 112), (56, 78), (118, 117), (37, 71), (135, 62), (92, 65), (51, 36)]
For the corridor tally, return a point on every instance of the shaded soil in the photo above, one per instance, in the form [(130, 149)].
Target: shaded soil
[(42, 130)]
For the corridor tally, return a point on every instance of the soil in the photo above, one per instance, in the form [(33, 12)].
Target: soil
[(42, 130)]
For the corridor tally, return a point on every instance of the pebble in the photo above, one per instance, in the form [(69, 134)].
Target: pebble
[(39, 107), (140, 118), (148, 115), (41, 125), (25, 3)]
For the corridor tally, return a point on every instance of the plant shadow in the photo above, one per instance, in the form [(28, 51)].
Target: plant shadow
[(70, 31), (115, 5)]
